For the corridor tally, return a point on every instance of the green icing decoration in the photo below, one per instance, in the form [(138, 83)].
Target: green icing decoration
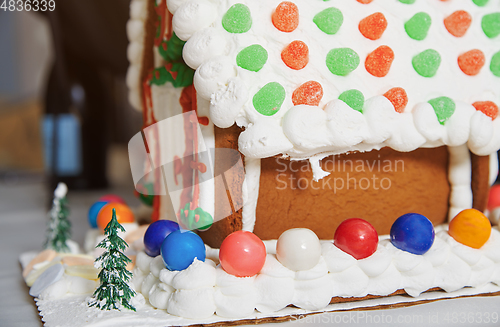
[(237, 19), (418, 26), (480, 3), (427, 63), (269, 98), (252, 58), (408, 2), (444, 108), (354, 99), (491, 24), (171, 50), (203, 222), (178, 73), (495, 64), (329, 20), (342, 61)]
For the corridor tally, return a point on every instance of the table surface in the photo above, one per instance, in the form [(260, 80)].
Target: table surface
[(23, 207)]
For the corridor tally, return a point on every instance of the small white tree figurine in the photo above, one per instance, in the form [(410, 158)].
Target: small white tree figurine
[(59, 227), (114, 290)]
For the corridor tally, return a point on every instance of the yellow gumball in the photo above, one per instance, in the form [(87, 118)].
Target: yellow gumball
[(470, 227)]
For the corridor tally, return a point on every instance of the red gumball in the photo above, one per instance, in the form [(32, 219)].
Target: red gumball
[(494, 197), (242, 254), (356, 237), (112, 198)]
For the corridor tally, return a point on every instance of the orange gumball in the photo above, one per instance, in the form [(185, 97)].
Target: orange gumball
[(470, 227), (123, 214)]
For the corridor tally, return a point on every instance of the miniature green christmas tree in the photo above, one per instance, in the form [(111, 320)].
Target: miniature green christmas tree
[(114, 289), (58, 231)]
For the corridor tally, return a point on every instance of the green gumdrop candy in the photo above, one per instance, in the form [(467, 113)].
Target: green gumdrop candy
[(480, 3), (495, 64), (237, 19), (408, 2), (269, 98), (444, 108), (252, 58), (342, 61), (491, 24), (427, 63), (418, 26), (329, 20), (354, 99)]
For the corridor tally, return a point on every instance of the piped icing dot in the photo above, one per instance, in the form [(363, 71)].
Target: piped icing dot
[(480, 3), (471, 62), (286, 17), (252, 58), (398, 98), (491, 24), (372, 27), (365, 2), (488, 108), (269, 98), (237, 19), (310, 93), (329, 20), (444, 108), (354, 99), (295, 55), (418, 26), (408, 2), (427, 63), (342, 61), (378, 63), (495, 64), (458, 23)]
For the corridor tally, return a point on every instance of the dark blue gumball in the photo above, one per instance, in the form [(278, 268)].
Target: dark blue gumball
[(412, 233), (156, 234), (180, 248), (94, 211)]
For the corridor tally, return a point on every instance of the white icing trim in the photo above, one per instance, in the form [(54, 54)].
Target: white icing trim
[(459, 176), (250, 190)]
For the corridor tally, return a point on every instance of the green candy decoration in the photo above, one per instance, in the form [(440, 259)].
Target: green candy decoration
[(342, 61), (329, 20), (171, 50), (495, 64), (491, 24), (252, 58), (408, 2), (444, 108), (237, 19), (418, 26), (354, 99), (480, 3), (178, 73), (197, 219), (269, 98), (427, 63)]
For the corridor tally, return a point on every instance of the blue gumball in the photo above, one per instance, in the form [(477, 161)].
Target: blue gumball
[(180, 248), (94, 211), (412, 233), (156, 234)]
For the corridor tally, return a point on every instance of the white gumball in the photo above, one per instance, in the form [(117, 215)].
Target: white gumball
[(298, 249)]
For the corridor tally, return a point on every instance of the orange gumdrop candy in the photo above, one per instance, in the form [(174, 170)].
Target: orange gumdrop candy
[(378, 63), (470, 227), (488, 108), (458, 23), (398, 98), (310, 93), (365, 2), (123, 214), (471, 62), (286, 16), (295, 55), (372, 27)]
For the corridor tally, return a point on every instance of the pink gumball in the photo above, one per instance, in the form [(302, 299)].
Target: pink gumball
[(112, 198), (494, 197), (242, 254)]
